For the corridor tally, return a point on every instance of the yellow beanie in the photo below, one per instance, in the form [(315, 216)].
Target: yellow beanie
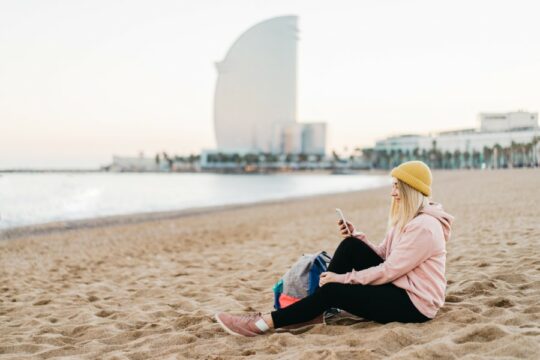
[(415, 174)]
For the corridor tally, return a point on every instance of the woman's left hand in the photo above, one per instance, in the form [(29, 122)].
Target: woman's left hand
[(327, 277)]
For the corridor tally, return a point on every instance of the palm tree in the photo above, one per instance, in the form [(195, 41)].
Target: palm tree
[(392, 158), (424, 155), (251, 158), (488, 157), (433, 153), (381, 157), (507, 157), (476, 159), (439, 158), (408, 155), (498, 153), (168, 159), (457, 159), (529, 154), (512, 151), (534, 143), (416, 153), (447, 160), (368, 154), (466, 158)]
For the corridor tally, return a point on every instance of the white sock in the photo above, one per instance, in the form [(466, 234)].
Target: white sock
[(262, 325)]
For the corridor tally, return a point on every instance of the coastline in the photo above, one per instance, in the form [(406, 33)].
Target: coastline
[(150, 289), (145, 217), (137, 216)]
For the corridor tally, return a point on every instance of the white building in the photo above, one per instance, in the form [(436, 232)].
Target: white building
[(300, 138), (137, 164), (493, 122), (314, 138), (404, 143), (502, 129), (256, 86), (255, 99), (291, 139)]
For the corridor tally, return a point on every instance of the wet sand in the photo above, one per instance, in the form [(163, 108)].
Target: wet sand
[(148, 288)]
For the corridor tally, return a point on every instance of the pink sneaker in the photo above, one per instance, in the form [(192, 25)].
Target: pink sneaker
[(240, 325)]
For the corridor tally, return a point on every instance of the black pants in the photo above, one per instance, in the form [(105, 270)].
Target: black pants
[(381, 303)]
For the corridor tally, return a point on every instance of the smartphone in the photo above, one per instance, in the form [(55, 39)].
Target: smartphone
[(340, 214)]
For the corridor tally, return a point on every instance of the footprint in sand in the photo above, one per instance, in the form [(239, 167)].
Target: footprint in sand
[(478, 288), (482, 334), (42, 302), (500, 302), (92, 298), (104, 313), (453, 299)]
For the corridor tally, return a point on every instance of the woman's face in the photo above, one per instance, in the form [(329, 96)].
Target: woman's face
[(395, 190)]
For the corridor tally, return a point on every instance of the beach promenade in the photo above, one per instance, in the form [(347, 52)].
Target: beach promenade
[(149, 289)]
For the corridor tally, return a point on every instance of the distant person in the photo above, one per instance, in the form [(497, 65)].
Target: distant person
[(402, 279)]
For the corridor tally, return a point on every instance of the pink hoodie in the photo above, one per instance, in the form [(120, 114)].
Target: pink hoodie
[(414, 260)]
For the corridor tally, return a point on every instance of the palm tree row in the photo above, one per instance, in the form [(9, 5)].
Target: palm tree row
[(260, 158), (515, 155)]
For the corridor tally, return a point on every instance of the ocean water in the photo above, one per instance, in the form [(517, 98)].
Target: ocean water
[(29, 199)]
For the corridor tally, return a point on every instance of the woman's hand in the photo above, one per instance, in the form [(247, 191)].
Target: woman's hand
[(327, 277), (343, 228)]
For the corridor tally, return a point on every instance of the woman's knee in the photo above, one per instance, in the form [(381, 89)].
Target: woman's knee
[(353, 244), (348, 242), (330, 290)]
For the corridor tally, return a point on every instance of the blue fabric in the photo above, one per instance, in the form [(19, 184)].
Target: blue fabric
[(319, 266), (278, 289)]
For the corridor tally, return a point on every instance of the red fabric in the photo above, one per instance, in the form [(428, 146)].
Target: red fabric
[(286, 300)]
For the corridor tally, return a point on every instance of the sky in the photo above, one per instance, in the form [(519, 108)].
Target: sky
[(81, 81)]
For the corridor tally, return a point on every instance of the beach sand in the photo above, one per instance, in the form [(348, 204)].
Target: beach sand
[(149, 289)]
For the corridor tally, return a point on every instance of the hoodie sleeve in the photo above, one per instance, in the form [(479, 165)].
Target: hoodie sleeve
[(379, 249), (414, 247)]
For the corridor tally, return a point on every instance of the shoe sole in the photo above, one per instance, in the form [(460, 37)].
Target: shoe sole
[(302, 328), (229, 331)]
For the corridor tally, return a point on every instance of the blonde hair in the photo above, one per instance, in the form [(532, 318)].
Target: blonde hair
[(410, 203)]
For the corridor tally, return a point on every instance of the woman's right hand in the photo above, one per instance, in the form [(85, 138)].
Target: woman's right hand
[(343, 228)]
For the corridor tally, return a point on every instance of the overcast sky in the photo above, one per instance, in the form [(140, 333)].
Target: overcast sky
[(83, 80)]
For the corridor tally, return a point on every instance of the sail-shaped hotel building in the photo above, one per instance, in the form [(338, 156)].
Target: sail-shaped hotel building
[(256, 89)]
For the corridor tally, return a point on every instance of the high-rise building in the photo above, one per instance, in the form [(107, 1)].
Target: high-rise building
[(314, 138), (256, 86), (300, 138)]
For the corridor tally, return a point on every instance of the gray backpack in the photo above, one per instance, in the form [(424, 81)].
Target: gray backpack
[(301, 280)]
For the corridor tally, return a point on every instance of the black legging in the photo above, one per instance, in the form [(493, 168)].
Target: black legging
[(381, 303)]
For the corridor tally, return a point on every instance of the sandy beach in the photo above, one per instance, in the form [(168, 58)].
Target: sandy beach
[(149, 288)]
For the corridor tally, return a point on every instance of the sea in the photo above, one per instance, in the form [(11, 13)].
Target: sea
[(38, 198)]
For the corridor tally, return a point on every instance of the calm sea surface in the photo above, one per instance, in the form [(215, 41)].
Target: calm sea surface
[(27, 199)]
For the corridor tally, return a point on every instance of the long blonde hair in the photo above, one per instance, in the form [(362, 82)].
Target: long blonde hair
[(410, 203)]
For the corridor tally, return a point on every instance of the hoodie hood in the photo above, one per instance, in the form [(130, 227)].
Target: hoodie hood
[(436, 210)]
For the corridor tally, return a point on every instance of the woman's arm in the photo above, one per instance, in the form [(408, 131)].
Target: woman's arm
[(379, 249), (415, 246)]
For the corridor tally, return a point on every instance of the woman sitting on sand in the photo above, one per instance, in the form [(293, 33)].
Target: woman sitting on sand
[(402, 279)]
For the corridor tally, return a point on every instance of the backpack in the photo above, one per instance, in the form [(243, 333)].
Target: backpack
[(301, 280)]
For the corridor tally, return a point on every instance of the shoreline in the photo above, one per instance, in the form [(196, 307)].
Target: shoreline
[(138, 216), (152, 216)]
